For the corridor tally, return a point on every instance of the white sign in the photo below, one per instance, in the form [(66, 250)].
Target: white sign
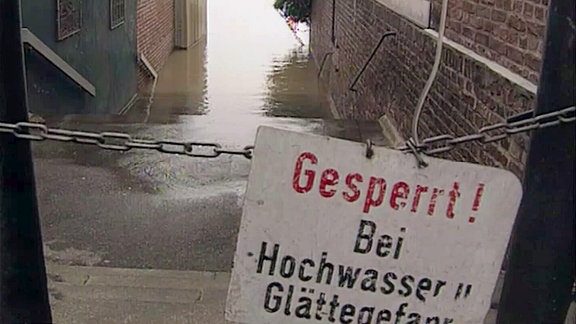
[(330, 236)]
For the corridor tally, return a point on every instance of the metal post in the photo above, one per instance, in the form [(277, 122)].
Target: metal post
[(23, 286), (540, 272)]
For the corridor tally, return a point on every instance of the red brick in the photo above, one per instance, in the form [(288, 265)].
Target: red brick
[(540, 13), (530, 42), (517, 23), (456, 27), (518, 6), (476, 22), (512, 37), (514, 54), (468, 32), (499, 15), (532, 61), (536, 29), (501, 32), (489, 26), (469, 7), (503, 4), (498, 46), (482, 39), (483, 11), (528, 10)]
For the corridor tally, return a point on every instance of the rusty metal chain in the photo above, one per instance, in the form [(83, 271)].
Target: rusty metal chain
[(497, 132), (125, 142), (120, 141)]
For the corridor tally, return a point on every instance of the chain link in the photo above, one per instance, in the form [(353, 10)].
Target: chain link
[(119, 141), (497, 132), (124, 142)]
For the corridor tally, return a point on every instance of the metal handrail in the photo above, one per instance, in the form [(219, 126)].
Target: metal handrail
[(29, 38), (374, 50)]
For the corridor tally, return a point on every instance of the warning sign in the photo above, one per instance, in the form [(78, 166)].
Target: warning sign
[(330, 236)]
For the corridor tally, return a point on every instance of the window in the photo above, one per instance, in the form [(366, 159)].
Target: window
[(69, 18), (117, 13), (418, 11)]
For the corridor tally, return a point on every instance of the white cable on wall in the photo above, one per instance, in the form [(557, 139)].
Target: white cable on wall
[(433, 73)]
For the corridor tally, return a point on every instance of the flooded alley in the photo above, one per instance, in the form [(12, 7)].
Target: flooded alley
[(281, 161), (248, 72), (144, 209)]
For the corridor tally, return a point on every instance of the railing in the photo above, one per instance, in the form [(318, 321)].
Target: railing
[(29, 38)]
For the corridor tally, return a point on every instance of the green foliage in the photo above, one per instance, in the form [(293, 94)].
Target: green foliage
[(298, 10)]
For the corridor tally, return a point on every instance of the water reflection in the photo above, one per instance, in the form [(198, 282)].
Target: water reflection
[(293, 89), (247, 67), (181, 89)]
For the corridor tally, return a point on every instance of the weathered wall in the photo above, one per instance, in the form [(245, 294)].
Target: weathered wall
[(467, 94), (509, 32), (155, 33), (106, 58)]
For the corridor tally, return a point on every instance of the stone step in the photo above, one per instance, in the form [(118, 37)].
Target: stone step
[(114, 295), (137, 278), (134, 311), (122, 294)]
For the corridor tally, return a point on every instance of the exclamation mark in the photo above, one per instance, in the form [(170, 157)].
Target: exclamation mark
[(477, 200)]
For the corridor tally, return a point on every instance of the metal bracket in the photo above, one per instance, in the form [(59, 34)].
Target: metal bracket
[(359, 74), (369, 149)]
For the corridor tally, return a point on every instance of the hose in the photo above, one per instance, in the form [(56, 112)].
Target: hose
[(433, 73)]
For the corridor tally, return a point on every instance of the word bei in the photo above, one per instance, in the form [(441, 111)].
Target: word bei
[(373, 189)]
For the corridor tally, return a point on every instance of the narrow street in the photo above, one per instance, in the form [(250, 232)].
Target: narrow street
[(413, 161), (150, 210)]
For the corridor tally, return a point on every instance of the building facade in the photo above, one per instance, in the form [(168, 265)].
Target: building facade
[(80, 55), (489, 68), (162, 26), (88, 56)]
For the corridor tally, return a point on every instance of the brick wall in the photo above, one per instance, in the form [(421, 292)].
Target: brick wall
[(467, 94), (509, 32), (155, 33)]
